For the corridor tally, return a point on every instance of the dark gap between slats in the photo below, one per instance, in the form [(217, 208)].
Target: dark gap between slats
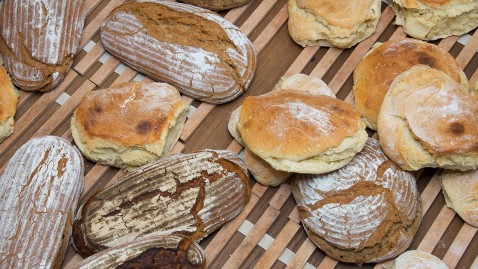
[(282, 219), (471, 67), (335, 67), (267, 19), (253, 257), (296, 242), (226, 251), (278, 265), (470, 254), (425, 178), (314, 60), (261, 206), (448, 236), (247, 13), (95, 12), (316, 257), (456, 49)]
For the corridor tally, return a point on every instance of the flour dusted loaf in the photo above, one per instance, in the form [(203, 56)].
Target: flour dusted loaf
[(340, 23), (169, 251), (461, 193), (216, 4), (8, 104), (39, 190), (429, 120), (415, 259), (374, 74), (129, 124), (39, 39), (199, 52), (434, 19), (367, 211), (189, 194)]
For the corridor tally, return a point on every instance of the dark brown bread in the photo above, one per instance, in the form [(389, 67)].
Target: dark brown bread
[(216, 4)]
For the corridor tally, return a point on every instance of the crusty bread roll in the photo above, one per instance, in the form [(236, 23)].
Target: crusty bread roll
[(339, 23), (263, 172), (130, 124), (202, 54), (39, 190), (367, 211), (189, 194), (434, 19), (170, 251), (298, 132), (415, 259), (374, 74), (429, 120), (39, 39), (216, 4), (8, 104), (461, 195)]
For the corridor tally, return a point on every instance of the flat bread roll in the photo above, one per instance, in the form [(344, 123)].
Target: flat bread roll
[(429, 120), (129, 124), (367, 211), (434, 19), (415, 259), (340, 23), (8, 104), (461, 193), (374, 74)]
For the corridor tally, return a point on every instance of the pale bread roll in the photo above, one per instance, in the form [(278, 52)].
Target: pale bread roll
[(415, 259), (8, 104), (434, 19), (376, 71), (429, 120), (340, 23), (263, 172), (129, 124), (367, 211), (461, 193)]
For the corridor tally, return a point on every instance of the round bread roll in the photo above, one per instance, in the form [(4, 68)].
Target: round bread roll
[(367, 211), (302, 133), (461, 193), (340, 23), (374, 74), (263, 172), (429, 120), (8, 104), (434, 19), (415, 259), (130, 124)]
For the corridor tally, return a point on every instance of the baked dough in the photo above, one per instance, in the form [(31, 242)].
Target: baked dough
[(8, 104)]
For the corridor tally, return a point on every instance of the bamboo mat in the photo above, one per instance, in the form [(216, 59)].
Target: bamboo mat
[(268, 233)]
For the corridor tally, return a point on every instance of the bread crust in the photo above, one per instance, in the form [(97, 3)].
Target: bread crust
[(216, 4), (8, 104)]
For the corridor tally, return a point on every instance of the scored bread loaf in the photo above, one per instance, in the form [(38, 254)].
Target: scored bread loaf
[(367, 211), (216, 4), (203, 55), (39, 189), (429, 120), (169, 251), (189, 194), (129, 124), (8, 104), (39, 39)]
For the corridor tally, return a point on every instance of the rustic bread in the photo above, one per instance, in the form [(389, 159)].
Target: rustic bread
[(367, 211), (216, 4), (340, 23), (429, 120), (189, 194), (39, 39), (374, 74), (298, 132), (434, 19), (461, 195), (199, 52), (263, 172), (170, 251), (8, 104), (39, 189), (130, 124), (415, 259)]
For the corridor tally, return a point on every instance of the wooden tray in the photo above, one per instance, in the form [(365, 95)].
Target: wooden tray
[(268, 233)]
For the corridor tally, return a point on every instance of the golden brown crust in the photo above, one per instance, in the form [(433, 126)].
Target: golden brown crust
[(262, 171), (432, 3), (374, 74), (9, 96), (295, 125)]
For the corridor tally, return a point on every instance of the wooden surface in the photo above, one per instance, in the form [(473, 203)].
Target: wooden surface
[(268, 233)]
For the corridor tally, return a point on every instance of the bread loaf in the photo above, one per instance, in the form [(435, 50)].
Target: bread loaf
[(39, 190), (415, 259), (367, 211), (199, 52), (129, 124), (151, 252), (189, 194), (39, 39), (216, 4), (8, 104)]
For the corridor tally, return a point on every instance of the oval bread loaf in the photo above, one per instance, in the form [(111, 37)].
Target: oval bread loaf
[(190, 194), (39, 191), (194, 49), (38, 40)]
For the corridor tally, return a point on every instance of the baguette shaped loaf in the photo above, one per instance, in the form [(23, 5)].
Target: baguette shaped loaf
[(39, 39), (189, 194), (39, 191), (150, 252), (194, 49)]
